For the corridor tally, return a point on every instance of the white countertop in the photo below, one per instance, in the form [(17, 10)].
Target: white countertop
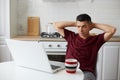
[(9, 71)]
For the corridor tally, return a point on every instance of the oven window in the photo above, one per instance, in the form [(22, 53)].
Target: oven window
[(60, 58)]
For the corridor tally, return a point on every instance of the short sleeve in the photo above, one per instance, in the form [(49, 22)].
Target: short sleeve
[(69, 35), (101, 40)]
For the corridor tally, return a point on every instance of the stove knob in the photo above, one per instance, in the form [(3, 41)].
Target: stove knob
[(58, 45), (50, 45)]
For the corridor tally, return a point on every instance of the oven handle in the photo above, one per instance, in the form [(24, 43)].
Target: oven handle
[(55, 51)]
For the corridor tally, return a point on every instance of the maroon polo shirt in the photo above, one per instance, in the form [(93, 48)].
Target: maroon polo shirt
[(84, 50)]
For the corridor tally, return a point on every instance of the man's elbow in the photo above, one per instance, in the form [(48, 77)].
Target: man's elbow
[(113, 30)]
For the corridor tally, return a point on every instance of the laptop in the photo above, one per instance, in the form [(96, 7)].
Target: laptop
[(31, 54)]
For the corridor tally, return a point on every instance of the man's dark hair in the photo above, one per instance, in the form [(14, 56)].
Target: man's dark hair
[(83, 17)]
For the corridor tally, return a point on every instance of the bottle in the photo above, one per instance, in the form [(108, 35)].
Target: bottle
[(49, 28)]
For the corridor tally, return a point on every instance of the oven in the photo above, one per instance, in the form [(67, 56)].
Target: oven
[(56, 50)]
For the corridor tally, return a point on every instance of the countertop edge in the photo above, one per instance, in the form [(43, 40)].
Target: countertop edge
[(38, 38)]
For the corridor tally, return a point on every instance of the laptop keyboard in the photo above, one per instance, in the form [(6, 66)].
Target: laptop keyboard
[(55, 67)]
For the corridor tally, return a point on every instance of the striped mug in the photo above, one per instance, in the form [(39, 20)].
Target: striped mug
[(71, 65)]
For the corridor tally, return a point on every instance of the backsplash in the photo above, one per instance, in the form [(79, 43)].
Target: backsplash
[(101, 11)]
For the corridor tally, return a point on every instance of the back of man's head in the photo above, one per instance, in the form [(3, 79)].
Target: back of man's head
[(83, 17)]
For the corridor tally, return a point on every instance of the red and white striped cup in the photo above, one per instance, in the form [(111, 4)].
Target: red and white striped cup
[(71, 65)]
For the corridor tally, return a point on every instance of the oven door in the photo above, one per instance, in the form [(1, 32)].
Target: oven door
[(56, 54), (56, 51), (60, 58)]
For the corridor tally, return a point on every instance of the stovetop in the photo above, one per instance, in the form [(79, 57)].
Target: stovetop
[(50, 35)]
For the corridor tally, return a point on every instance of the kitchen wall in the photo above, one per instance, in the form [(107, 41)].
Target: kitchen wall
[(102, 11)]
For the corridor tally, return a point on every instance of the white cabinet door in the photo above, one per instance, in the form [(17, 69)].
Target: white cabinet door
[(99, 63), (110, 62), (119, 66)]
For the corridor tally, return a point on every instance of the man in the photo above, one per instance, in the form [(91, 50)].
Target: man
[(82, 45)]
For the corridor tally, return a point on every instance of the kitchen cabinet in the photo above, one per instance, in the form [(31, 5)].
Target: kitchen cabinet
[(111, 58), (99, 64), (8, 26), (119, 68)]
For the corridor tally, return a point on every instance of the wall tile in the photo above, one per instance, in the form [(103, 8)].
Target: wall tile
[(106, 11)]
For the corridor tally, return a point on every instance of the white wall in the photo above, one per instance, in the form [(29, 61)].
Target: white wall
[(13, 18), (102, 11)]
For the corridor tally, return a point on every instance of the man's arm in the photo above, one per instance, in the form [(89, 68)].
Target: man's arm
[(109, 30), (59, 26)]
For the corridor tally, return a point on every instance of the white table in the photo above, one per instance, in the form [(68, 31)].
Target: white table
[(9, 71)]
